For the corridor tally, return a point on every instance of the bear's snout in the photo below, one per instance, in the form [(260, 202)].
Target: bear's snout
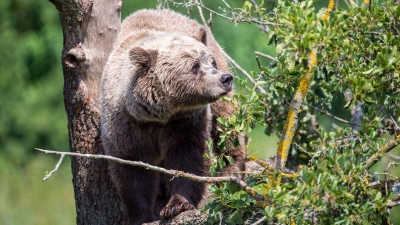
[(226, 80)]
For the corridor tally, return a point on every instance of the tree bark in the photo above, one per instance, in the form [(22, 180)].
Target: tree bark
[(90, 29)]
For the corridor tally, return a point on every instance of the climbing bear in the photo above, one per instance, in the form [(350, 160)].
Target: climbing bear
[(159, 103)]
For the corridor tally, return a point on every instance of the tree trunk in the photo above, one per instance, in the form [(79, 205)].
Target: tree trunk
[(90, 29)]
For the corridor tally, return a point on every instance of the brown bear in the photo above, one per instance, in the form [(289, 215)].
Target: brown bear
[(159, 103)]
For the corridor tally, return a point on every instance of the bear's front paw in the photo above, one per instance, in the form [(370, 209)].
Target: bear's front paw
[(173, 210)]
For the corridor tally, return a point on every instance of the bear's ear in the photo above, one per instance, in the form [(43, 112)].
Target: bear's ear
[(142, 57), (201, 35)]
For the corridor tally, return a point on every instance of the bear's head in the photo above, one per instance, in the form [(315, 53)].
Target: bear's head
[(174, 74)]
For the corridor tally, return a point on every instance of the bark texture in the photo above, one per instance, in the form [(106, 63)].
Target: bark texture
[(90, 29)]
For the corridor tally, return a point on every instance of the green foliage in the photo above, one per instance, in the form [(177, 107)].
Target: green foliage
[(230, 202), (358, 69), (332, 190)]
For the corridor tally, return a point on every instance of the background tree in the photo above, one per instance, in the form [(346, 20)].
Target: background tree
[(89, 29)]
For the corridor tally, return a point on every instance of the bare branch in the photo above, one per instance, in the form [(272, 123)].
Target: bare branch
[(330, 115), (302, 150), (237, 14), (395, 201), (55, 169), (391, 144), (264, 28), (386, 174), (393, 157), (265, 55), (381, 185), (261, 89), (175, 173), (260, 221)]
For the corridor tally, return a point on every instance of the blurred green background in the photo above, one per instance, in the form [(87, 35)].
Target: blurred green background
[(32, 111)]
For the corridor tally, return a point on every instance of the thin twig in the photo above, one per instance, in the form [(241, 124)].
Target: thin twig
[(175, 173), (381, 185), (396, 125), (199, 7), (386, 174), (265, 28), (55, 169), (260, 221), (265, 55), (254, 4), (239, 18), (227, 5), (330, 115), (393, 157), (301, 149)]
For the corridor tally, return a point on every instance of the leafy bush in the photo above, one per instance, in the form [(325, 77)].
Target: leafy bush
[(355, 85)]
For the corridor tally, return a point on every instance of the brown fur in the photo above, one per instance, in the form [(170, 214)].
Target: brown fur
[(159, 104)]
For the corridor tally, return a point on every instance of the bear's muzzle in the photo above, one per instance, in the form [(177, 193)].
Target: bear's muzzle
[(226, 81)]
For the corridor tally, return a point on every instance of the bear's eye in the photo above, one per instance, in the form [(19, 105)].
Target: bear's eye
[(214, 64), (195, 68)]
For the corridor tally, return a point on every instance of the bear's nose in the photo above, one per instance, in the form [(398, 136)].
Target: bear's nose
[(226, 80)]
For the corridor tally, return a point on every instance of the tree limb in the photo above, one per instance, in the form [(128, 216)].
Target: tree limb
[(175, 173), (331, 7), (395, 201), (391, 144), (292, 119)]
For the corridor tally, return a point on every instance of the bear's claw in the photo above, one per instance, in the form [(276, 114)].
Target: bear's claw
[(171, 211)]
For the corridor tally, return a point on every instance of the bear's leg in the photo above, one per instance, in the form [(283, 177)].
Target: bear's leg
[(137, 188), (185, 194)]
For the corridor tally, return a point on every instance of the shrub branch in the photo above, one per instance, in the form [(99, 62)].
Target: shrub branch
[(292, 119)]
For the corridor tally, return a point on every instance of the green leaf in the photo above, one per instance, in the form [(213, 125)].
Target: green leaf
[(236, 217), (269, 212), (230, 159), (232, 187), (369, 71), (260, 82), (247, 6), (377, 196)]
